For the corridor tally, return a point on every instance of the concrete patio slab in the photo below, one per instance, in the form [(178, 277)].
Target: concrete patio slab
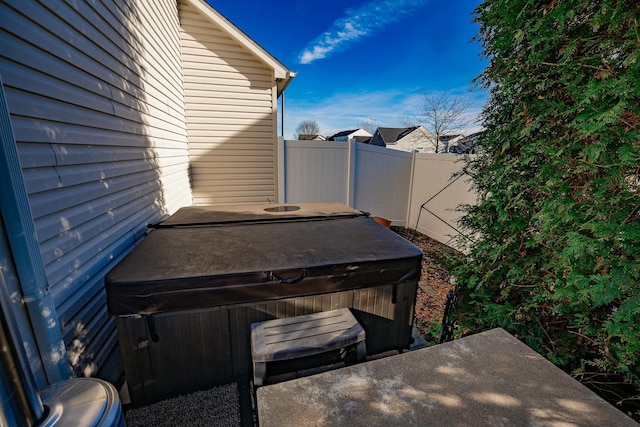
[(488, 379)]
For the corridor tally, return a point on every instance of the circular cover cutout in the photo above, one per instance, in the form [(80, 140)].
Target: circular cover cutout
[(282, 209)]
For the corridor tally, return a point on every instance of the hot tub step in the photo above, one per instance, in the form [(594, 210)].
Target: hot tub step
[(301, 336)]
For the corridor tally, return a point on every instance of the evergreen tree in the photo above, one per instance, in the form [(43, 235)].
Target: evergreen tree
[(556, 258)]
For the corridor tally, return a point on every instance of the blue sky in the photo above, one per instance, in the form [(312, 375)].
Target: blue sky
[(367, 60)]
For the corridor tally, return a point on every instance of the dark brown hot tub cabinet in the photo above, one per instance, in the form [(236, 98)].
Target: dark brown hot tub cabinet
[(185, 298)]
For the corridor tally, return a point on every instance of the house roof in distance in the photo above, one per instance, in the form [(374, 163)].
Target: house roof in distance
[(384, 136), (363, 139), (310, 137), (343, 133), (389, 135), (346, 135)]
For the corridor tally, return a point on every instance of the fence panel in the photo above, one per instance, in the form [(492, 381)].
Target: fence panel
[(410, 189), (316, 171), (435, 196), (382, 182)]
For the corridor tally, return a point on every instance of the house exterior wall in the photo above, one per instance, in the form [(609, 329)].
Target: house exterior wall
[(420, 139), (95, 96), (377, 140), (231, 100)]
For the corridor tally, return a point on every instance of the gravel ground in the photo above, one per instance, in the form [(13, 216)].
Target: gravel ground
[(431, 298), (218, 406)]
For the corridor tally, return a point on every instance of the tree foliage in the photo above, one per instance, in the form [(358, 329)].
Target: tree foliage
[(307, 127), (557, 257)]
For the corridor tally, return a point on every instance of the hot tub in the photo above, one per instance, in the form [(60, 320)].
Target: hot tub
[(185, 298)]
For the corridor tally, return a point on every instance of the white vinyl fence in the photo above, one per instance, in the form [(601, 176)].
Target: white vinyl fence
[(415, 190)]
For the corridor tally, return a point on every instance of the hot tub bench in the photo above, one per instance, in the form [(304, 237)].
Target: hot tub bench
[(297, 337), (185, 298)]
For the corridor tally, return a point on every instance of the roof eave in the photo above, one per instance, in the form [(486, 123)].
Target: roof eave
[(283, 82)]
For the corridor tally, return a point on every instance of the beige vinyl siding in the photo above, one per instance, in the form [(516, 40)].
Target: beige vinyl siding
[(95, 94), (230, 110)]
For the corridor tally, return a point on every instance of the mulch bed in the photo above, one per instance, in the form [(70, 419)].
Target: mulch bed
[(431, 298)]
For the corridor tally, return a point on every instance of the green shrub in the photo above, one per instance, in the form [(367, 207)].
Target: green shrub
[(557, 257)]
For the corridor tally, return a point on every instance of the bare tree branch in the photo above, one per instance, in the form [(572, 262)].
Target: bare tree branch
[(370, 125), (307, 127), (442, 114)]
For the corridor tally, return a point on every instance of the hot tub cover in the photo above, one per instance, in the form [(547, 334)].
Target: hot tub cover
[(208, 257), (233, 214)]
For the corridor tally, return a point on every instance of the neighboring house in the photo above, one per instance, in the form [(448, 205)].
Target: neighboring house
[(350, 135), (383, 136), (122, 112), (451, 143), (307, 137), (410, 139), (466, 144), (362, 139)]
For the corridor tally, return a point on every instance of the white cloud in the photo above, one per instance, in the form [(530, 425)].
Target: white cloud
[(357, 23)]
